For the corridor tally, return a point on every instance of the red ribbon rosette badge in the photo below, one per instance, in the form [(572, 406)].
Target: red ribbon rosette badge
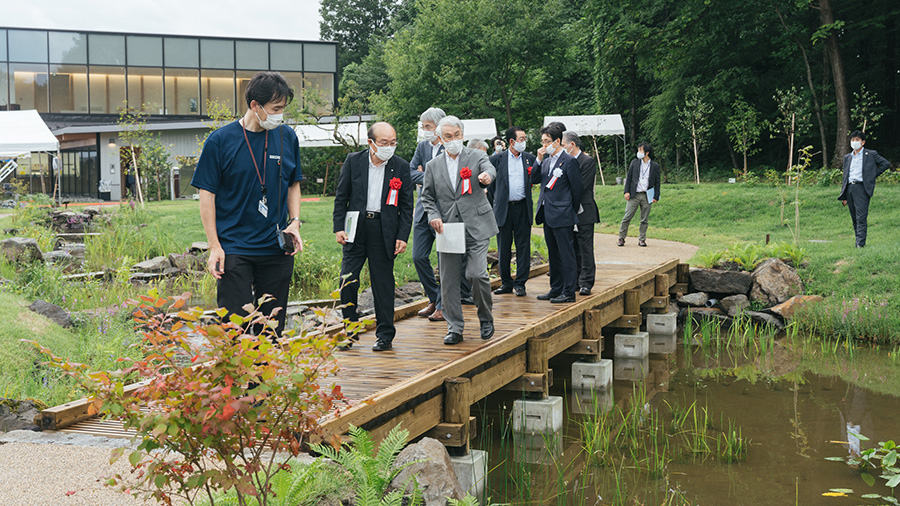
[(395, 186), (465, 174), (529, 171)]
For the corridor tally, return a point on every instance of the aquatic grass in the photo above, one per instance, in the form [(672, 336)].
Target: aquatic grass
[(851, 318), (731, 445)]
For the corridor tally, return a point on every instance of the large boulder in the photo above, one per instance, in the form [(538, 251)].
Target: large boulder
[(717, 281), (775, 282), (155, 264), (697, 299), (734, 304), (429, 464), (55, 313), (58, 256), (21, 249), (765, 319), (199, 247), (787, 309), (18, 415), (186, 262)]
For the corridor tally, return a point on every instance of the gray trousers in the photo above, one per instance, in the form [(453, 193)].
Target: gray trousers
[(451, 266), (631, 207)]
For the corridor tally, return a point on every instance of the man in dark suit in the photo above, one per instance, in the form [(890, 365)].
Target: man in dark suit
[(641, 190), (560, 182), (861, 168), (510, 194), (376, 184), (588, 214)]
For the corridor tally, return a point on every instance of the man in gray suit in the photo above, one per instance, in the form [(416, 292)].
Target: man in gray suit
[(453, 192), (861, 168)]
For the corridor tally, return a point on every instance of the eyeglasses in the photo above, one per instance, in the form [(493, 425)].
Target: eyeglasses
[(448, 137), (384, 144), (546, 143)]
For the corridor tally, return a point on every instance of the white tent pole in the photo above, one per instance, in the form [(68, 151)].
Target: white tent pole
[(597, 155), (58, 189)]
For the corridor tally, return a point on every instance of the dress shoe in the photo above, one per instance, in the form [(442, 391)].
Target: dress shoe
[(642, 243), (584, 290), (348, 344), (468, 301), (503, 289), (547, 296), (621, 242), (453, 338), (562, 299), (487, 329), (437, 316), (427, 310), (381, 345), (520, 291)]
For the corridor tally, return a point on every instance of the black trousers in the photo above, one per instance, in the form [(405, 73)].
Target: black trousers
[(518, 228), (561, 249), (247, 278), (369, 245), (858, 203), (584, 255)]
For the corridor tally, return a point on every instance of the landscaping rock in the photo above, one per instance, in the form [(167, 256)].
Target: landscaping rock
[(76, 250), (409, 292), (719, 281), (199, 247), (58, 256), (431, 468), (145, 277), (765, 319), (156, 264), (787, 309), (186, 262), (697, 314), (21, 249), (697, 299), (734, 304), (493, 257), (10, 231), (18, 415), (55, 313), (775, 282)]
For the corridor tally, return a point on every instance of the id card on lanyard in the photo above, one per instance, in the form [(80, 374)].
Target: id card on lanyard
[(263, 207)]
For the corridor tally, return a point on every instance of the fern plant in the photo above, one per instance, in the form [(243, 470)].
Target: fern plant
[(372, 472), (468, 500)]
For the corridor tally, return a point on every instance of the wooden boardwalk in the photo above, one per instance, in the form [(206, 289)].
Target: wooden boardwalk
[(413, 382)]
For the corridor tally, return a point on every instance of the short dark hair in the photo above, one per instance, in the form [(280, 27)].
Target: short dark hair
[(647, 149), (512, 133), (554, 130), (858, 134), (267, 87)]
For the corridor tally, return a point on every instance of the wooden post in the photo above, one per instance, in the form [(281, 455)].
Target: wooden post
[(661, 289), (683, 271), (538, 362), (457, 407), (633, 306)]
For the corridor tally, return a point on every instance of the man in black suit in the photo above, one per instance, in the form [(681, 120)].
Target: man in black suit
[(861, 168), (560, 182), (510, 194), (588, 214), (641, 190), (376, 184)]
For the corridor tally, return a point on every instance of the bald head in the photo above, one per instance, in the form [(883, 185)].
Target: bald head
[(382, 132)]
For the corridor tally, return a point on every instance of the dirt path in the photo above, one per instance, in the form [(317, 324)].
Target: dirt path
[(656, 252)]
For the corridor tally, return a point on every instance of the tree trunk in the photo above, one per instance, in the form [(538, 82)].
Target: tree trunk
[(137, 177), (43, 184), (840, 85), (633, 75), (696, 153), (506, 104)]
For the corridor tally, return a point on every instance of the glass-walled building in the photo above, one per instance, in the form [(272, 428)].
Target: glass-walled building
[(65, 72)]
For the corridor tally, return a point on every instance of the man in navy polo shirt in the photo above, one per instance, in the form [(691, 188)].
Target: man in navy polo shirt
[(249, 177)]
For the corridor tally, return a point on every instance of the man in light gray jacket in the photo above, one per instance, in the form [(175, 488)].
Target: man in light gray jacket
[(453, 192)]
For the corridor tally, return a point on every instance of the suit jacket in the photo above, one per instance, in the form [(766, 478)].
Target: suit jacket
[(421, 157), (353, 190), (557, 207), (498, 190), (873, 166), (634, 174), (588, 167), (442, 199)]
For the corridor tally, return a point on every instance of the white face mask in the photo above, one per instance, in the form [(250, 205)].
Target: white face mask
[(855, 145), (271, 122), (429, 135), (453, 147), (384, 153), (640, 155), (498, 148), (550, 149), (519, 146)]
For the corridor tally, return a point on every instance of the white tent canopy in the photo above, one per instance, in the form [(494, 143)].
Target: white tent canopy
[(322, 136), (24, 132), (472, 129), (590, 126)]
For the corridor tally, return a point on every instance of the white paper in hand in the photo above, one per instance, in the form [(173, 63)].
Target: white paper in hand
[(453, 240), (350, 222), (651, 194)]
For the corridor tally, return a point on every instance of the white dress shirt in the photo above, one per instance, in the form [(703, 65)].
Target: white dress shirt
[(644, 178), (452, 168), (516, 171), (856, 164), (376, 184), (435, 149)]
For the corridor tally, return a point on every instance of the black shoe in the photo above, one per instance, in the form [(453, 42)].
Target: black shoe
[(487, 329), (467, 301), (503, 289), (642, 244), (381, 345), (584, 290), (520, 291), (621, 242), (562, 299), (453, 338), (348, 344), (546, 296)]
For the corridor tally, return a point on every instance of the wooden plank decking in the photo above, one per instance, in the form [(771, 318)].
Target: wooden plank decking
[(406, 384)]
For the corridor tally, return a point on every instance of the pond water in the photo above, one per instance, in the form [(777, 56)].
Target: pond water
[(788, 406)]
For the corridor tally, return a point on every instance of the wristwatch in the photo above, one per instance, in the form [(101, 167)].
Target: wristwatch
[(295, 219)]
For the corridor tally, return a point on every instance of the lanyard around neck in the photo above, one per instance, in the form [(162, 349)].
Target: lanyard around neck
[(262, 178)]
